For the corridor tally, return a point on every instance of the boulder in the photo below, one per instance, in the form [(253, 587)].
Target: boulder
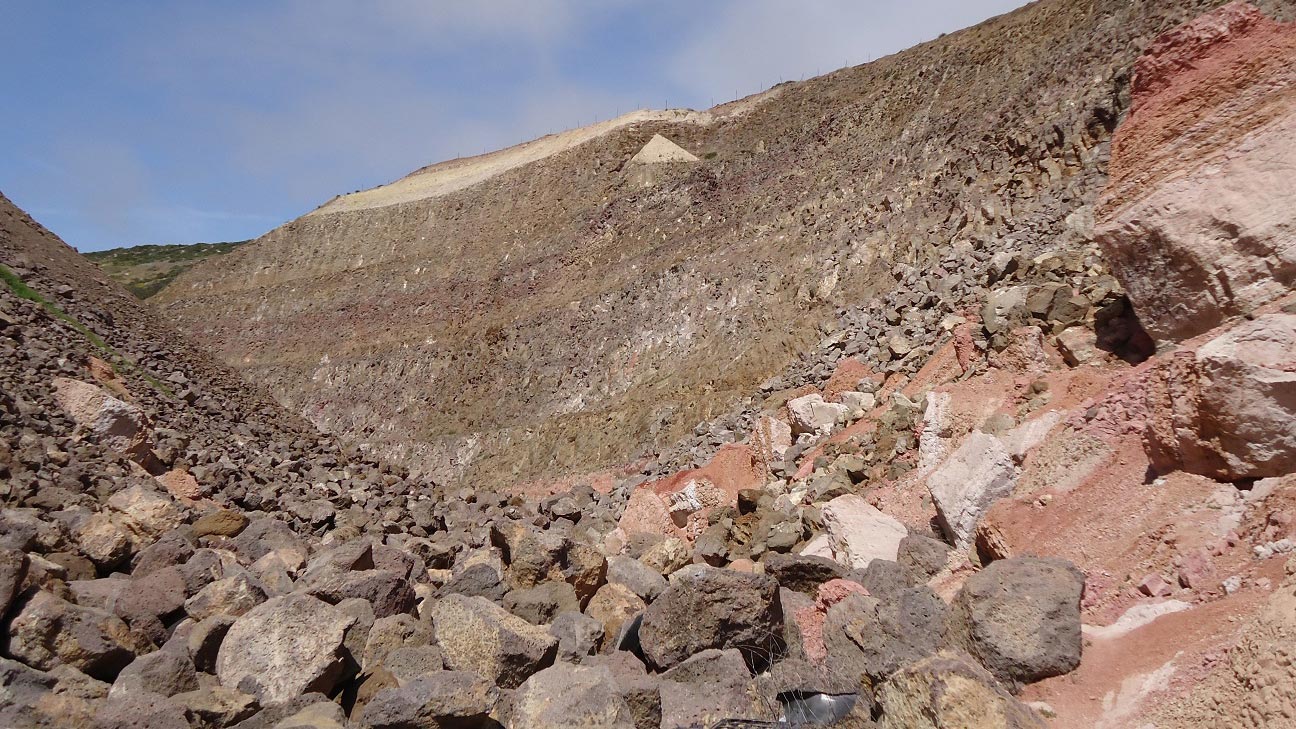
[(949, 690), (613, 606), (859, 533), (980, 472), (47, 631), (869, 639), (1021, 618), (564, 696), (811, 414), (706, 607), (1226, 410), (578, 636), (540, 604), (391, 633), (433, 701), (479, 636), (667, 555), (113, 423), (709, 687), (923, 556), (283, 648), (146, 512), (165, 672)]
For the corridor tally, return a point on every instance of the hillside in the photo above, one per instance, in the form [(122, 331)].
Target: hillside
[(146, 270), (576, 312)]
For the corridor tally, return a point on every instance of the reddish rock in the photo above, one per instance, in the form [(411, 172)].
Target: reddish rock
[(1154, 585), (1196, 220), (846, 378)]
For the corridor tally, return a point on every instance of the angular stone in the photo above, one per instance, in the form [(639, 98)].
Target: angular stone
[(709, 687), (13, 570), (217, 706), (441, 699), (232, 596), (540, 604), (869, 639), (578, 636), (164, 672), (479, 636), (564, 696), (283, 648), (223, 523), (980, 472), (800, 572), (706, 607), (810, 414), (47, 631), (858, 533), (641, 579), (388, 592), (613, 606)]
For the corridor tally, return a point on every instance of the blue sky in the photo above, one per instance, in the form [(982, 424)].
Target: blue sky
[(146, 121)]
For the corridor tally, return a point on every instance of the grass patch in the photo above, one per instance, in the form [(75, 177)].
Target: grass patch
[(146, 270), (23, 291)]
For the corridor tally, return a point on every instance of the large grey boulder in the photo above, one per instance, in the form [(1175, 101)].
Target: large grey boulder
[(564, 696), (706, 607), (980, 472), (802, 573), (641, 579), (479, 636), (867, 638), (1021, 618), (48, 631), (165, 672), (283, 648), (578, 636), (444, 699)]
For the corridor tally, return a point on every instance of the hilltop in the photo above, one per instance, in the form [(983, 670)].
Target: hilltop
[(147, 269)]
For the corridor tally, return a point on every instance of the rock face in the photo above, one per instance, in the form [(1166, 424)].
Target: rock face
[(284, 648), (1021, 618), (653, 341), (1227, 409), (722, 609), (1198, 220)]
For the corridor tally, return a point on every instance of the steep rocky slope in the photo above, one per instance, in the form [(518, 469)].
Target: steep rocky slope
[(990, 502), (488, 320)]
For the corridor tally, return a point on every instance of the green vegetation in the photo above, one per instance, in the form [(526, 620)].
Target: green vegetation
[(146, 270), (23, 291)]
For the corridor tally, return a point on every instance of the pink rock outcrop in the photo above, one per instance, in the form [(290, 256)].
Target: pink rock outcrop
[(1228, 409), (1199, 218)]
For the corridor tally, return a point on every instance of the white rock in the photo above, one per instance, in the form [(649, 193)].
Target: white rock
[(811, 414), (858, 533), (976, 475)]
